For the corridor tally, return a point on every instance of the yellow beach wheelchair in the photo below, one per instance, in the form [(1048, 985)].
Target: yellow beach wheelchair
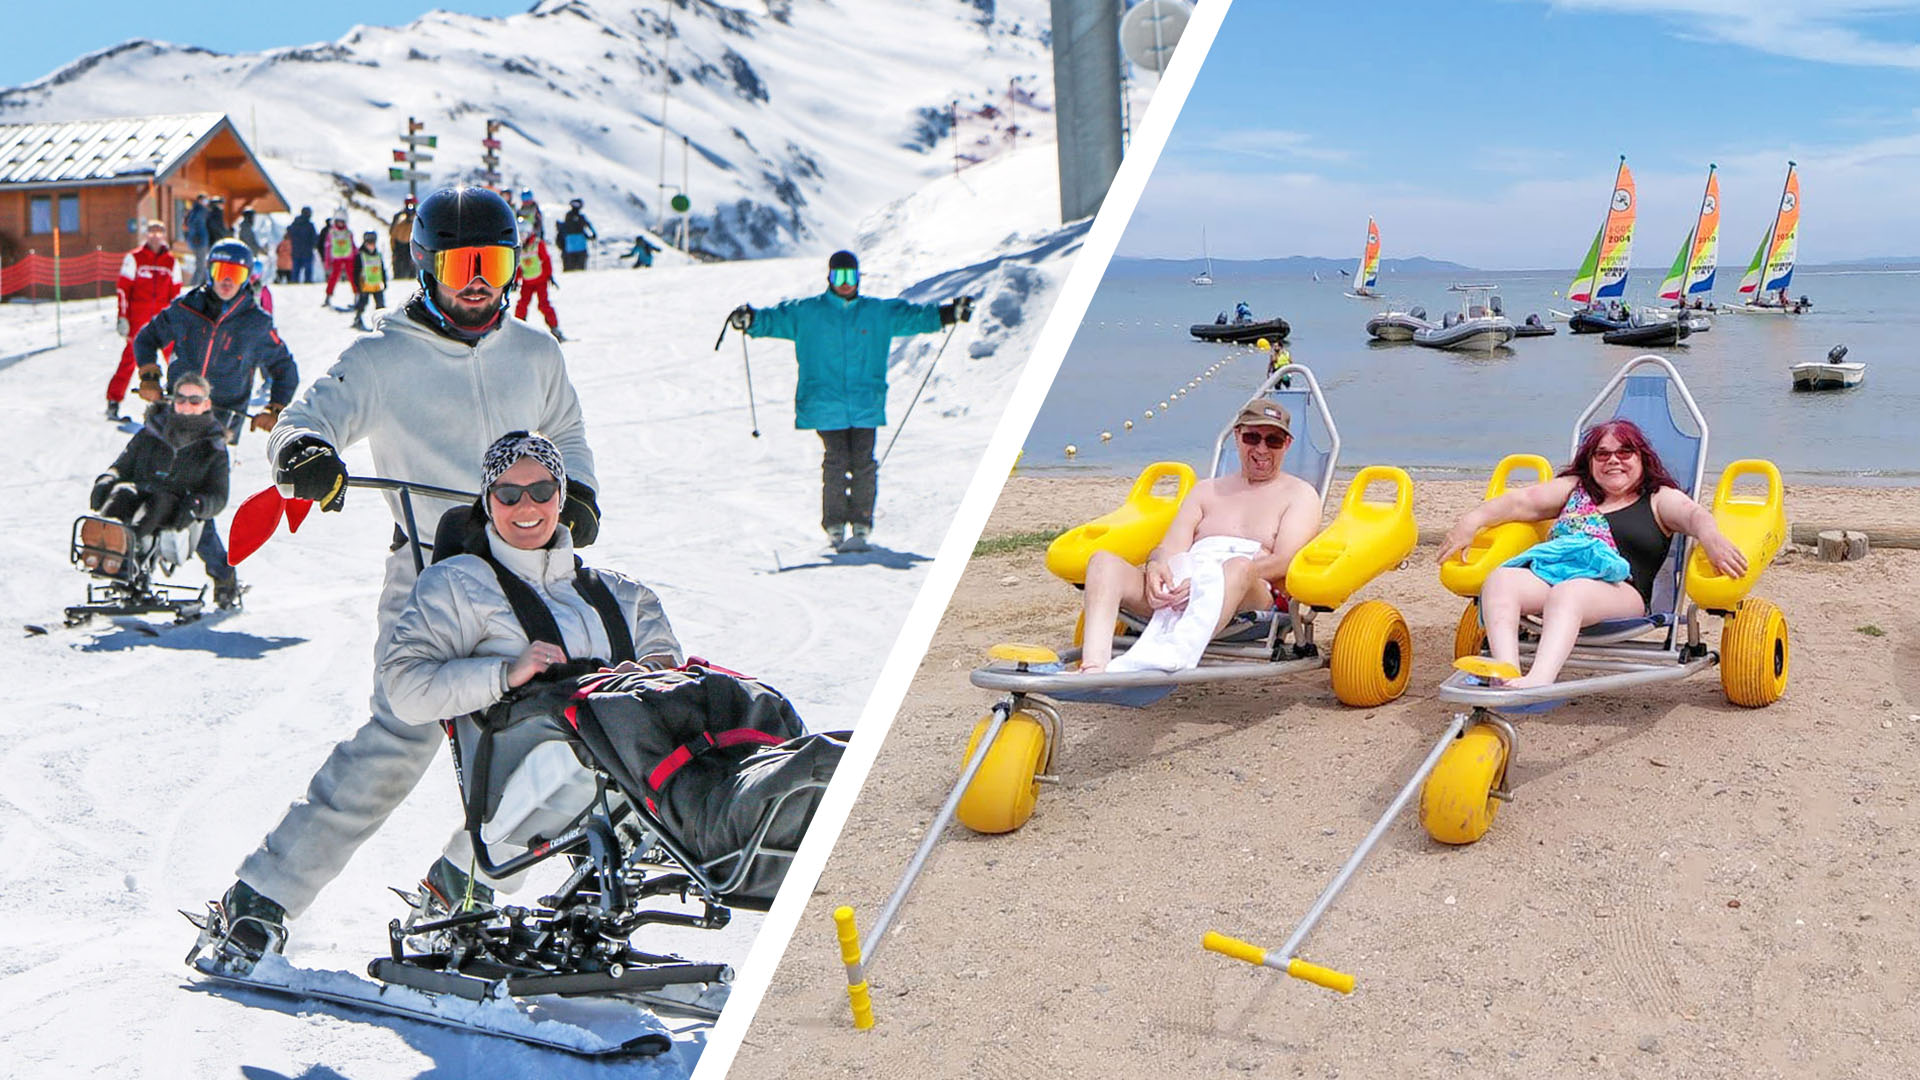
[(1011, 751), (1462, 780)]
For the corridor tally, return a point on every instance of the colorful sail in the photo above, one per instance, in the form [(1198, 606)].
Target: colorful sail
[(1369, 274), (1603, 273), (1693, 268), (1772, 266)]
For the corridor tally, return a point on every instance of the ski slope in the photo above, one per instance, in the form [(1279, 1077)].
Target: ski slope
[(136, 769)]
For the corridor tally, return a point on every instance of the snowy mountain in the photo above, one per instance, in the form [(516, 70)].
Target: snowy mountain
[(791, 120)]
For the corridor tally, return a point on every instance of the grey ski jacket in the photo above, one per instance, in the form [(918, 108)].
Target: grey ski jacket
[(430, 406), (450, 650)]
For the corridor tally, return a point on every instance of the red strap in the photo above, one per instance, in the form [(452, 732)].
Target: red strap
[(675, 761)]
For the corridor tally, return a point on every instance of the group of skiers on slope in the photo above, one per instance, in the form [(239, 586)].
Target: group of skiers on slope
[(416, 390)]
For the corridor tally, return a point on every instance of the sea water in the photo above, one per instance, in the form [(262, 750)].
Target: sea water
[(1450, 413)]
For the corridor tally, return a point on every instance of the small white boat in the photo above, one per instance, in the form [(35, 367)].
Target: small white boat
[(1204, 277), (1477, 327), (1835, 373), (1398, 325)]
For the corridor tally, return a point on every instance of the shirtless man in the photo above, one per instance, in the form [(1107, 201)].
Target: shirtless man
[(1280, 511)]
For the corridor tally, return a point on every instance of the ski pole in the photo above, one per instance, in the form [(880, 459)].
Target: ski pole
[(901, 426), (752, 409)]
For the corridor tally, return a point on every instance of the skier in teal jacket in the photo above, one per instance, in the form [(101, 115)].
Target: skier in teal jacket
[(841, 340)]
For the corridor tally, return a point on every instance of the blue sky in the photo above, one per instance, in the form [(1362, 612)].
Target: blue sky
[(1487, 131), (43, 37)]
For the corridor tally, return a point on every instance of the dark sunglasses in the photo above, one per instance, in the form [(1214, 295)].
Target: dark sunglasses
[(540, 491), (191, 399), (1255, 438), (1621, 454)]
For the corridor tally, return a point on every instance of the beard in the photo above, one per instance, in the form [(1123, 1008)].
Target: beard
[(468, 318)]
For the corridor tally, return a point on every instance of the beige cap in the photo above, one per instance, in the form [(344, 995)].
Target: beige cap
[(1262, 412)]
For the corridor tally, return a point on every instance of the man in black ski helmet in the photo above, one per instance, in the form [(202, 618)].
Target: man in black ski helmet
[(841, 340), (428, 390)]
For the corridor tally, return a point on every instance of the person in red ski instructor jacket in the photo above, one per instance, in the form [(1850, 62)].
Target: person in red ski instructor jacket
[(536, 276), (149, 280), (336, 248)]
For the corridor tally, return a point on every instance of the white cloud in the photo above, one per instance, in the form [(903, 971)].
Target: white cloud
[(1851, 32), (1266, 144)]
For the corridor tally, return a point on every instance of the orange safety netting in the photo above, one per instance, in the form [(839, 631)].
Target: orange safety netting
[(76, 271)]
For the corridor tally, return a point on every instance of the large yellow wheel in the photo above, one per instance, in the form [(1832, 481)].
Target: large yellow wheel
[(1000, 798), (1754, 654), (1457, 803), (1469, 637), (1372, 655)]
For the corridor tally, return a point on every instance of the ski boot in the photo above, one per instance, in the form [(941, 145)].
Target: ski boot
[(238, 929), (856, 539), (360, 324), (448, 890), (557, 335), (113, 412), (226, 593)]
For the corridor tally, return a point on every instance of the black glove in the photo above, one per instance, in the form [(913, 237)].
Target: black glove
[(741, 318), (581, 514), (101, 486), (184, 514), (959, 309), (315, 471)]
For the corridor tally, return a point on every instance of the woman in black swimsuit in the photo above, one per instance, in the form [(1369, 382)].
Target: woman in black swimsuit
[(1643, 506)]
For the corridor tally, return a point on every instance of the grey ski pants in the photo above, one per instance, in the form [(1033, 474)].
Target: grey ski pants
[(363, 780)]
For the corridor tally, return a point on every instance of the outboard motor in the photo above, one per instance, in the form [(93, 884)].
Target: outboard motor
[(1494, 303), (1836, 354), (1418, 313)]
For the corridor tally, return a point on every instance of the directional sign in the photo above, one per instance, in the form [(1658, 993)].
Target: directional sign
[(421, 140), (403, 174), (491, 144), (490, 178), (411, 155)]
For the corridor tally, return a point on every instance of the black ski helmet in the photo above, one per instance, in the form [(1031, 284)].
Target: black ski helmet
[(460, 217), (843, 260), (231, 251)]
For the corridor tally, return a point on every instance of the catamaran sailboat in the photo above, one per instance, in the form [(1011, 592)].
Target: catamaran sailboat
[(1603, 273), (1368, 274), (1771, 270)]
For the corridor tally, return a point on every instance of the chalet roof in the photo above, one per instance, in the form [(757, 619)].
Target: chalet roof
[(81, 151)]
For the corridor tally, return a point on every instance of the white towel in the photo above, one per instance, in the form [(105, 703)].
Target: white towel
[(1177, 636)]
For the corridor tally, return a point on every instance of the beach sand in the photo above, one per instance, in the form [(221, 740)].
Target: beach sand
[(1681, 887)]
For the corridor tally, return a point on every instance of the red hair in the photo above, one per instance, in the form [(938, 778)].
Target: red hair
[(1653, 474)]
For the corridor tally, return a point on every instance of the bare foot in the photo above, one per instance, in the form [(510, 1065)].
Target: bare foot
[(1525, 682), (1092, 669)]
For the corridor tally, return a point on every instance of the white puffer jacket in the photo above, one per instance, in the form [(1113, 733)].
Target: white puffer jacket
[(430, 406), (451, 647)]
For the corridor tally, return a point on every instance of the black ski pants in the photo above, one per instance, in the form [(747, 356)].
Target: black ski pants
[(849, 478)]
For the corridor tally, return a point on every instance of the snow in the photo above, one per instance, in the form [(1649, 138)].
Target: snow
[(136, 770), (797, 119)]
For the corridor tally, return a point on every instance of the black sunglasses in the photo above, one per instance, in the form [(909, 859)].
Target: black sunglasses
[(540, 491), (1255, 438), (191, 399)]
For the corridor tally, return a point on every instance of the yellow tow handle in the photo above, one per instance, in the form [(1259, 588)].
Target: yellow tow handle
[(858, 995), (1296, 967)]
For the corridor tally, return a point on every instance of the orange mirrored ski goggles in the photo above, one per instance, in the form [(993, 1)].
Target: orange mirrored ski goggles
[(455, 267), (228, 273)]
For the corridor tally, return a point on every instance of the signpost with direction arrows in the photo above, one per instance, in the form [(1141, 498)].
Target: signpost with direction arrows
[(414, 154), (491, 159)]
